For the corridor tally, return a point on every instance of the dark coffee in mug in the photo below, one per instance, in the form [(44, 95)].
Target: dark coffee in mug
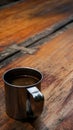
[(24, 80)]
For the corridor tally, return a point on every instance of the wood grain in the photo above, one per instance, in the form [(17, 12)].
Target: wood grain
[(55, 60), (27, 18)]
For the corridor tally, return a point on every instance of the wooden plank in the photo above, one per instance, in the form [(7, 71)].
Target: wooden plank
[(55, 60), (25, 19)]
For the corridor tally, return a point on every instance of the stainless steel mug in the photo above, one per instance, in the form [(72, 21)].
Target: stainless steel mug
[(24, 100)]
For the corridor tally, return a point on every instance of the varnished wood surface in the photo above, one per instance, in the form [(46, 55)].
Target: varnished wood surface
[(24, 19), (55, 60)]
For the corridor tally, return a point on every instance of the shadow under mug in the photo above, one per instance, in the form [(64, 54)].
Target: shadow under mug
[(23, 98)]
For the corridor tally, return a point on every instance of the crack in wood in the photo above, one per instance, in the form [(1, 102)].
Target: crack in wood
[(24, 49), (14, 49), (8, 52)]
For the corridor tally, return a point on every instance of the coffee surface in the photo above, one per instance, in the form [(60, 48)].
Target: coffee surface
[(24, 80)]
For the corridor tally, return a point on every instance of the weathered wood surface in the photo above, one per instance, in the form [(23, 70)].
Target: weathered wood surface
[(27, 18), (55, 60)]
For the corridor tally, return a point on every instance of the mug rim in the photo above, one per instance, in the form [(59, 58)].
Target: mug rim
[(25, 86)]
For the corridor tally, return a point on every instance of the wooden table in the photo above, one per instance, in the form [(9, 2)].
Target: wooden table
[(25, 19), (53, 56)]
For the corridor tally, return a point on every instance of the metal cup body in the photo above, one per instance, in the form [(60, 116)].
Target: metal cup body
[(21, 102)]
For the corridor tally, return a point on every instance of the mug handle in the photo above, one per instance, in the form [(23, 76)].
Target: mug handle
[(36, 109)]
